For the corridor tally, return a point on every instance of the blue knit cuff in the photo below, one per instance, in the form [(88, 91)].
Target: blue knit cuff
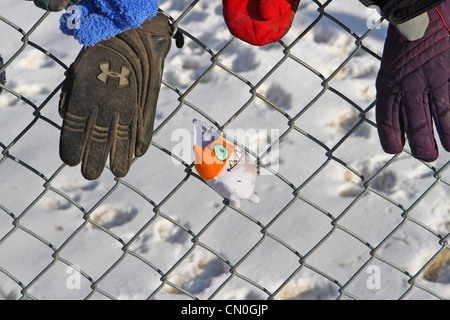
[(97, 20)]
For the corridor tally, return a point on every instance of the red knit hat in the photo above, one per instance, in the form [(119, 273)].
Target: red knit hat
[(259, 22)]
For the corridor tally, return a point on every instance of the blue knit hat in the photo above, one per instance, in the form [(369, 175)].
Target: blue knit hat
[(95, 20)]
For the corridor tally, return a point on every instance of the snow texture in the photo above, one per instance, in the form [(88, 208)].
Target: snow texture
[(96, 222)]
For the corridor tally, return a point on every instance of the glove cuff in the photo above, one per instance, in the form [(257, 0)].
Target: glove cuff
[(103, 19), (399, 11)]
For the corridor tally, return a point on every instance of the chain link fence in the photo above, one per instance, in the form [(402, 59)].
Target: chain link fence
[(329, 226)]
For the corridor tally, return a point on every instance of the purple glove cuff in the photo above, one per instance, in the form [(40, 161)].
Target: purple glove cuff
[(417, 53)]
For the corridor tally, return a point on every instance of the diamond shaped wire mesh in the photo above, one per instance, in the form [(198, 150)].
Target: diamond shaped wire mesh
[(204, 264)]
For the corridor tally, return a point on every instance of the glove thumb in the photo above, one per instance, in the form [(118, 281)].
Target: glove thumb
[(270, 9), (415, 28)]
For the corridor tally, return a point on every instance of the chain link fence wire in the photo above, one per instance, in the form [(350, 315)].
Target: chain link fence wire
[(339, 258)]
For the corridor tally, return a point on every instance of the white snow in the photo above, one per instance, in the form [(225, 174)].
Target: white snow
[(161, 236)]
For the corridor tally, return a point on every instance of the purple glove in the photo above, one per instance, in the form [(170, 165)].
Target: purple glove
[(413, 89)]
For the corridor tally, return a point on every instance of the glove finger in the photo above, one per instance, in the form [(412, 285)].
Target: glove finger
[(132, 40), (122, 150), (52, 5), (77, 122), (390, 129), (139, 57), (74, 135), (155, 35), (418, 125), (440, 107), (97, 150), (58, 5)]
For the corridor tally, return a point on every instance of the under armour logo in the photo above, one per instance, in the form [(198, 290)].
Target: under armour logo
[(107, 73)]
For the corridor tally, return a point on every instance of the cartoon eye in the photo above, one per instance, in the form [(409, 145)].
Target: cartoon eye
[(221, 152)]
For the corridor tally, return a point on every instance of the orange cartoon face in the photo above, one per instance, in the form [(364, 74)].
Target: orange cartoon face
[(210, 160)]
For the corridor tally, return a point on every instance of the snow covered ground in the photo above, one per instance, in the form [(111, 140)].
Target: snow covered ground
[(191, 236)]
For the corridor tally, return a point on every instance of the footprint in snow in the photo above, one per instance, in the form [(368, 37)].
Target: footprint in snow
[(109, 216), (66, 183), (357, 71), (72, 187), (244, 60), (140, 245), (307, 289), (35, 60), (337, 42), (276, 94), (324, 35), (219, 10), (186, 70), (352, 185), (8, 293), (345, 121), (178, 79), (439, 269), (243, 294), (60, 203), (440, 217), (191, 64), (169, 232), (368, 92), (196, 272), (196, 16), (179, 5), (26, 90)]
